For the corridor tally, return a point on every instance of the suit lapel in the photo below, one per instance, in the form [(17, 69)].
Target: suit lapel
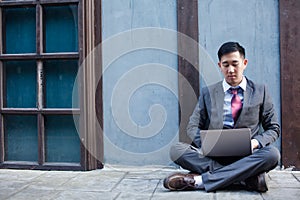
[(247, 97), (218, 102)]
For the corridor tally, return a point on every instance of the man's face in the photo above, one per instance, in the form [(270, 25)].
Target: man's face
[(232, 66)]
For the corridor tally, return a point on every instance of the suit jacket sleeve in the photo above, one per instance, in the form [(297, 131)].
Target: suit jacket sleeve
[(198, 119), (269, 122)]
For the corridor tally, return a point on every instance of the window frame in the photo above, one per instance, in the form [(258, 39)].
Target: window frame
[(87, 161)]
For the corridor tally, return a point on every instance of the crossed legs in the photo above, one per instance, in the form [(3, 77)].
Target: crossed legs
[(220, 173)]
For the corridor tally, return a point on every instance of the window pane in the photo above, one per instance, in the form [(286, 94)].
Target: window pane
[(21, 140), (19, 30), (60, 77), (20, 84), (62, 139), (61, 28)]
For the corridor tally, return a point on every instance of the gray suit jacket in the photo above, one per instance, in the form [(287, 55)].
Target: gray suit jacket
[(257, 113)]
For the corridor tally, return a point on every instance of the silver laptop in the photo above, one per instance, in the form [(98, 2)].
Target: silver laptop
[(226, 142)]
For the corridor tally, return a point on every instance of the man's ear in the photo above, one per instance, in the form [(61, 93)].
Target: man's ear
[(219, 64), (245, 62)]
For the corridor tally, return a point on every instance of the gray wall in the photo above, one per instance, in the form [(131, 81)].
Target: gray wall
[(140, 81)]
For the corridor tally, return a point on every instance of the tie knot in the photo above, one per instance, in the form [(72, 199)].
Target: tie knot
[(234, 90)]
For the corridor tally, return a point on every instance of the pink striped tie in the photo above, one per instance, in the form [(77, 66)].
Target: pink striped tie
[(236, 104)]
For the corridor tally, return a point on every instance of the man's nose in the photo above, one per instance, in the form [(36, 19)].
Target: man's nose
[(231, 69)]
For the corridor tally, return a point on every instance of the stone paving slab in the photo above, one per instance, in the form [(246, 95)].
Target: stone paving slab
[(122, 183), (282, 194), (131, 196), (52, 180), (283, 185), (282, 179), (185, 195), (20, 175), (144, 186), (82, 195), (94, 181), (35, 193), (238, 195)]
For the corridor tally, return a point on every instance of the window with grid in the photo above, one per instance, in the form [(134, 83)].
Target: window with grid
[(39, 106)]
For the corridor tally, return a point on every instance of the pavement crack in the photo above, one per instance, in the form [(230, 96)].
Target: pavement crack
[(158, 183), (262, 196), (117, 196), (295, 177), (118, 183)]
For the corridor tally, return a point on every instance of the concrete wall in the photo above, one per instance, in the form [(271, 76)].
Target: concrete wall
[(255, 25), (140, 81)]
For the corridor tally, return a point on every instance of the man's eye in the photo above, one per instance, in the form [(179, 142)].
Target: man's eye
[(235, 64)]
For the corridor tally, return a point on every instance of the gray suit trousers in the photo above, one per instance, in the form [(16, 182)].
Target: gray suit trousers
[(218, 173)]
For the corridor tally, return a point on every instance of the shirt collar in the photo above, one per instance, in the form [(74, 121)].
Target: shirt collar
[(243, 84)]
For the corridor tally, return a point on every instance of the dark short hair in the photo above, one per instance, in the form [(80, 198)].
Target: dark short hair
[(230, 47)]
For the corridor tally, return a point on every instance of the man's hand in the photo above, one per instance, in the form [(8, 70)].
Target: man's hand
[(254, 144)]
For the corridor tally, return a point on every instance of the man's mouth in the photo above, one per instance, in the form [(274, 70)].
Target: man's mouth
[(231, 76)]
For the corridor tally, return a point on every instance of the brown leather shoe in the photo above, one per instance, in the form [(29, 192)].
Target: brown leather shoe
[(180, 181), (257, 183)]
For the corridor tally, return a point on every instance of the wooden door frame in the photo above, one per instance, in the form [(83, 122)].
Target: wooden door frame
[(187, 25), (91, 98), (290, 80)]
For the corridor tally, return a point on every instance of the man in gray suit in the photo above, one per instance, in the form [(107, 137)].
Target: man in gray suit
[(214, 111)]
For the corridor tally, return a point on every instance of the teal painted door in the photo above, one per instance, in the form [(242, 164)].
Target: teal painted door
[(38, 64)]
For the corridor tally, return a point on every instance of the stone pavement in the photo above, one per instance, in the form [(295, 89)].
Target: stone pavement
[(116, 182)]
